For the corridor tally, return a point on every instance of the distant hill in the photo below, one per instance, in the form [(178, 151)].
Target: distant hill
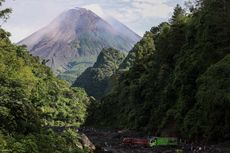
[(72, 41), (96, 80)]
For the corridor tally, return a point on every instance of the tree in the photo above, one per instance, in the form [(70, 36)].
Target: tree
[(183, 85), (4, 13), (178, 15), (32, 98)]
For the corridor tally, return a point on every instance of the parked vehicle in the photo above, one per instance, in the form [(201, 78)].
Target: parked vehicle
[(151, 142), (163, 141), (137, 141)]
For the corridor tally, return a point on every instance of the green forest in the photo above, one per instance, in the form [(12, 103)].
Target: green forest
[(176, 80), (32, 99)]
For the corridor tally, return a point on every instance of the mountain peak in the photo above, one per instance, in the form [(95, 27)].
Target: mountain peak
[(74, 36), (79, 8)]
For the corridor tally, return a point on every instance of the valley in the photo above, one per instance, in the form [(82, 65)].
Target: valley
[(89, 84)]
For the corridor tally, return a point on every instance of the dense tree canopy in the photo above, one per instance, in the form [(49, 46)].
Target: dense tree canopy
[(180, 85), (32, 99), (96, 80)]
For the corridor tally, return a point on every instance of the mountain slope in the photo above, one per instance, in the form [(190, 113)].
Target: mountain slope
[(180, 86), (95, 80), (73, 36), (123, 29)]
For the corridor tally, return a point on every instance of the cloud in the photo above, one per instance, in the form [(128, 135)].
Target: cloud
[(152, 9), (20, 32), (152, 2), (124, 15), (140, 15), (125, 1), (96, 8), (139, 10)]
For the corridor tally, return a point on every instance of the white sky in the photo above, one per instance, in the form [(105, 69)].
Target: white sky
[(139, 15)]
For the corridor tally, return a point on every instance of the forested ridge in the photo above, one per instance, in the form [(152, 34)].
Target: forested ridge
[(96, 80), (177, 78), (33, 99)]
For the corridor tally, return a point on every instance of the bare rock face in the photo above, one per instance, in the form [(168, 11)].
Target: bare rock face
[(77, 36)]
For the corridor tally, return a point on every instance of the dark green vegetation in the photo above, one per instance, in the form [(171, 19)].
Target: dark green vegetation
[(142, 48), (31, 99), (96, 80), (180, 84)]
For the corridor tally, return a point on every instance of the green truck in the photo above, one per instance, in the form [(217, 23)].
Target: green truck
[(163, 141)]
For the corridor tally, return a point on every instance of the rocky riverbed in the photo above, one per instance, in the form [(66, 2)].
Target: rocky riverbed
[(109, 141)]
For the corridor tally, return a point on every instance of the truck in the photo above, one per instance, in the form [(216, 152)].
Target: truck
[(163, 141), (151, 142), (135, 141)]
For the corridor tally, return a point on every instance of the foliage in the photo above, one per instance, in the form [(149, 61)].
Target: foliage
[(31, 99), (4, 13), (95, 80), (212, 103), (180, 85), (142, 48), (44, 142)]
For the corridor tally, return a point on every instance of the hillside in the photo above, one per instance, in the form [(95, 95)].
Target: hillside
[(139, 50), (71, 42), (96, 80), (32, 99), (176, 82)]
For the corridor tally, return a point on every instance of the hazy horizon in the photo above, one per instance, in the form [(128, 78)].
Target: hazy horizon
[(139, 15)]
